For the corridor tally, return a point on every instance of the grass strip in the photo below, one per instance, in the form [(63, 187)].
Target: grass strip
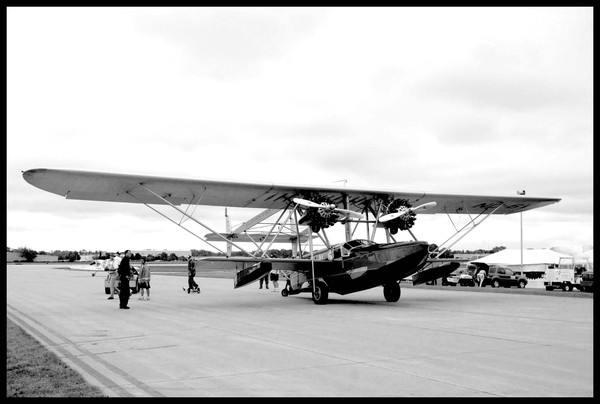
[(34, 371)]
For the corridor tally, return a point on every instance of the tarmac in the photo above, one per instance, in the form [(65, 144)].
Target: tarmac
[(252, 342)]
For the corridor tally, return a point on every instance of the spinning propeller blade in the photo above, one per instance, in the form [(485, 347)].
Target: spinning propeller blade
[(395, 215)]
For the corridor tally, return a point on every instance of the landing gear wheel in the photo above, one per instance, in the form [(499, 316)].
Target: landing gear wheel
[(393, 230), (320, 293), (391, 292), (284, 292), (315, 228)]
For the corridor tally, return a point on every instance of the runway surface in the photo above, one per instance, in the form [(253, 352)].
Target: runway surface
[(250, 342)]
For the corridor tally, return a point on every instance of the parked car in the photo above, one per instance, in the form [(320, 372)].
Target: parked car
[(503, 276), (466, 279), (460, 276), (587, 281), (133, 283)]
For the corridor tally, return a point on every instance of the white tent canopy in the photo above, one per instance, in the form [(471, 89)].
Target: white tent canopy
[(533, 259)]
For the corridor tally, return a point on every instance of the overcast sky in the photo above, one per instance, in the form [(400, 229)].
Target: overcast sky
[(459, 100)]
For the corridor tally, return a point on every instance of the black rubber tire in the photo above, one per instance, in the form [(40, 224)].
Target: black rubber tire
[(320, 294), (391, 292)]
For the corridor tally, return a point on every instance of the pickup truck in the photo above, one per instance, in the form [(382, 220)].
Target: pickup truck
[(566, 275)]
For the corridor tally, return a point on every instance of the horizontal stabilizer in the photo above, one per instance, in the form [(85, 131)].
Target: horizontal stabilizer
[(434, 273), (251, 274)]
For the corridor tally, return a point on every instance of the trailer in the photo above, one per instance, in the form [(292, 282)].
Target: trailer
[(566, 275)]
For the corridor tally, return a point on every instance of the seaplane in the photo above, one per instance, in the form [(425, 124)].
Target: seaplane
[(302, 213)]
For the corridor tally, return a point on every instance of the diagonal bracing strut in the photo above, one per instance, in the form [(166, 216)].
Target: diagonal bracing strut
[(474, 222), (194, 219)]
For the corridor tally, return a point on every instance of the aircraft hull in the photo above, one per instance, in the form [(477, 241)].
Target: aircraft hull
[(386, 264), (366, 268)]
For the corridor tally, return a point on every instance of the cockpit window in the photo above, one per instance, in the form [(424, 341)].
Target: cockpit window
[(353, 244)]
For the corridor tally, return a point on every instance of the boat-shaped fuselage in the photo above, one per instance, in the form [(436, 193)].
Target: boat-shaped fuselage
[(360, 265)]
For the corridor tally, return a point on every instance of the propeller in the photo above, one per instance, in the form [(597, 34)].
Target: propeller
[(327, 207), (404, 210)]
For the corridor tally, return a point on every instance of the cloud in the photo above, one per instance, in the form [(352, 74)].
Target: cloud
[(227, 43), (456, 100), (506, 90)]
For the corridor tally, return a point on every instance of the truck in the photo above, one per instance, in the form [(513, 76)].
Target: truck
[(566, 275)]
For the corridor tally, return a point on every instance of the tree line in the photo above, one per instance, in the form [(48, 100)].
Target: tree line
[(29, 255)]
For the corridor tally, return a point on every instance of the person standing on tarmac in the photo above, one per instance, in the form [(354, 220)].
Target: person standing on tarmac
[(116, 261), (124, 272), (274, 275), (112, 275), (480, 277), (264, 279), (144, 279), (192, 285)]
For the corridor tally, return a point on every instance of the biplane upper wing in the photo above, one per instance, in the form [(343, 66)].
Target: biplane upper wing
[(99, 186)]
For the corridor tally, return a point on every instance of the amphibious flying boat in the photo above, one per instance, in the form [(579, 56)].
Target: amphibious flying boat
[(303, 213)]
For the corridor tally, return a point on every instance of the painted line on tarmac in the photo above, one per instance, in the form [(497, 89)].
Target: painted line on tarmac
[(101, 373)]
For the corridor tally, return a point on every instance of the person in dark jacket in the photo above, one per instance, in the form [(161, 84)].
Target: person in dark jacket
[(192, 285), (124, 272)]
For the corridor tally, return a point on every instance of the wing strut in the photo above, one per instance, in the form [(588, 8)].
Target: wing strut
[(376, 220), (324, 238), (178, 224), (194, 219), (347, 228), (312, 263), (298, 240), (474, 222), (278, 231)]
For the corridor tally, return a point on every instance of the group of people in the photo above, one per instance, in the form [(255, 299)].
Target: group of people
[(274, 276), (119, 265)]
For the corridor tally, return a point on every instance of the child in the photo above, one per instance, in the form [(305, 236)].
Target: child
[(144, 280), (274, 275)]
